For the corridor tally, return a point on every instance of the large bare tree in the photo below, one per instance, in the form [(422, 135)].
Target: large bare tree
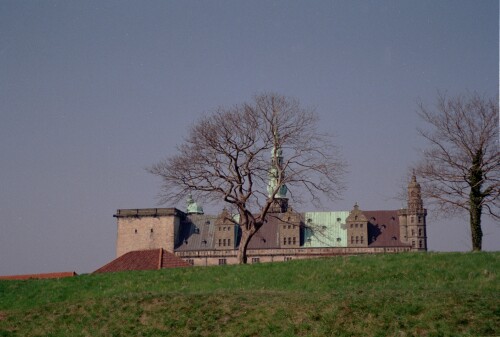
[(460, 171), (248, 155)]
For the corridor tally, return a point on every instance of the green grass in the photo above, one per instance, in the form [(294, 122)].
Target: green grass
[(434, 294)]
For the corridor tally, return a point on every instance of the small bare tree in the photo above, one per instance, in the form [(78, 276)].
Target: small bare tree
[(460, 171), (235, 155)]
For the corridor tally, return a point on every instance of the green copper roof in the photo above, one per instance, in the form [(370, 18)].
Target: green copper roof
[(325, 229), (193, 207)]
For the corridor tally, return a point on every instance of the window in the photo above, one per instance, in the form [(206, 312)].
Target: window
[(356, 225), (255, 260), (420, 232), (420, 245), (361, 238), (222, 262), (287, 258), (413, 243), (229, 242), (135, 231), (220, 242), (357, 240), (220, 228), (294, 240), (289, 240), (419, 219), (151, 230), (284, 241), (224, 242), (190, 261), (360, 225), (351, 226), (352, 240)]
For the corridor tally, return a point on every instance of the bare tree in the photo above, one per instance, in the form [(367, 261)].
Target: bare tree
[(236, 155), (460, 171)]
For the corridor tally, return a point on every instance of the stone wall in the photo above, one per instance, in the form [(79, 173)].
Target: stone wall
[(146, 229), (211, 257)]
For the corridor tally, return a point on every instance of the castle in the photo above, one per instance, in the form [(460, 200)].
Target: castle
[(201, 239)]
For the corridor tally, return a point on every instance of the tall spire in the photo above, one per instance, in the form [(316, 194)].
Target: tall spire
[(274, 171), (276, 174)]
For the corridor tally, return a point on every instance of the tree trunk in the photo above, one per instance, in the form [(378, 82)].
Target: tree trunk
[(246, 235), (475, 200), (475, 228)]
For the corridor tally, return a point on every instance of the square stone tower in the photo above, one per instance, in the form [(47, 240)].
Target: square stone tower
[(147, 228)]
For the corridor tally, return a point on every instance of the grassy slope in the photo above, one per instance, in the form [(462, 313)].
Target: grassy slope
[(431, 294)]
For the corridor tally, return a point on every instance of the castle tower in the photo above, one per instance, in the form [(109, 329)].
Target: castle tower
[(412, 220), (280, 204)]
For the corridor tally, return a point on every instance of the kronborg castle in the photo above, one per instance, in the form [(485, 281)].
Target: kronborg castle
[(166, 237)]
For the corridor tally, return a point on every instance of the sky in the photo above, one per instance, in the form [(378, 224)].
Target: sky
[(93, 92)]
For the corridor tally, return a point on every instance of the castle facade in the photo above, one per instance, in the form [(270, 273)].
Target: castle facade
[(201, 239)]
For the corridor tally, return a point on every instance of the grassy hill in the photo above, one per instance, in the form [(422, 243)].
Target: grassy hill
[(434, 294)]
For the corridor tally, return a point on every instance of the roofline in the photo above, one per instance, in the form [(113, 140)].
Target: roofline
[(152, 212)]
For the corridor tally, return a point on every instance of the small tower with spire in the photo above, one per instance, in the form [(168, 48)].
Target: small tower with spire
[(412, 220), (192, 207)]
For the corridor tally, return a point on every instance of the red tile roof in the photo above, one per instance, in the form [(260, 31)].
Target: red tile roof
[(153, 259), (39, 276)]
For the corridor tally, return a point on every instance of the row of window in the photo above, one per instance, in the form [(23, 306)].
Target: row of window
[(357, 225), (420, 232), (357, 239), (224, 242), (225, 228), (412, 219), (289, 226), (420, 244), (290, 240)]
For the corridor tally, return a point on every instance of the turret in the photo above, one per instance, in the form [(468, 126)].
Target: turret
[(192, 207), (412, 220)]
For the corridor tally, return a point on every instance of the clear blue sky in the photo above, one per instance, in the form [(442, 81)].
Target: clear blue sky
[(92, 92)]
